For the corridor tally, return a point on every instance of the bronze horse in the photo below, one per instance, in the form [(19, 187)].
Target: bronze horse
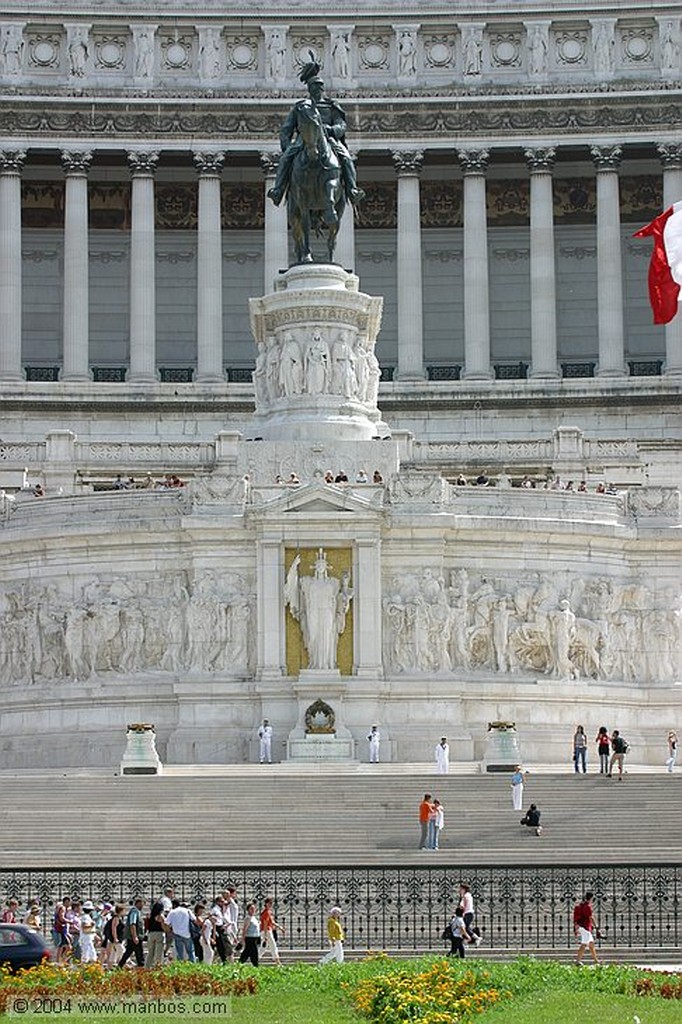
[(316, 198)]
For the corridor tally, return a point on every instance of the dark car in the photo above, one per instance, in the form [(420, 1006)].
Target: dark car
[(20, 947)]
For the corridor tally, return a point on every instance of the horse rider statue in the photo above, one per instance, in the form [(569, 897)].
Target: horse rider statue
[(334, 121)]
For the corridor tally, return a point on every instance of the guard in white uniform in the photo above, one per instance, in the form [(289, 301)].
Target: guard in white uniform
[(374, 740), (442, 753), (265, 737)]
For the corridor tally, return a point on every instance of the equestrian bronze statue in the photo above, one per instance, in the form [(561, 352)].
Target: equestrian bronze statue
[(315, 171)]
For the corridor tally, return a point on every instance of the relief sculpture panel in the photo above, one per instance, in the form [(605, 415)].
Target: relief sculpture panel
[(560, 627)]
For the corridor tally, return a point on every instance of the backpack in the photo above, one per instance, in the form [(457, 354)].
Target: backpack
[(446, 934)]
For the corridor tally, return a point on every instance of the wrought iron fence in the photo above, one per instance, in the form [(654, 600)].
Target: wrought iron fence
[(400, 908)]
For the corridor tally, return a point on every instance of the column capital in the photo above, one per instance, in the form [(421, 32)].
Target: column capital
[(670, 155), (408, 162), (143, 163), (473, 161), (208, 164), (76, 162), (269, 162), (540, 161), (606, 158), (11, 161)]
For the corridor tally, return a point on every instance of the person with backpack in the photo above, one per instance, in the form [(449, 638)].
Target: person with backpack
[(620, 749), (458, 933), (134, 935)]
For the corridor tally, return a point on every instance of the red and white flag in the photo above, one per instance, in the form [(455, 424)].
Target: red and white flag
[(665, 268)]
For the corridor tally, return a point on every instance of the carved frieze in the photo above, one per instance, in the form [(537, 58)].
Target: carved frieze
[(439, 50), (562, 626), (373, 51), (165, 623), (111, 49), (242, 52)]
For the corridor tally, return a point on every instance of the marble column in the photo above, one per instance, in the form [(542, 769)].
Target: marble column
[(276, 256), (670, 154), (543, 318), (11, 162), (270, 607), (345, 241), (142, 269), (367, 615), (609, 263), (410, 314), (76, 314), (476, 284), (209, 269)]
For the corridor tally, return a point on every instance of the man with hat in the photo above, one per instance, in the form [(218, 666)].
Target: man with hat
[(334, 122)]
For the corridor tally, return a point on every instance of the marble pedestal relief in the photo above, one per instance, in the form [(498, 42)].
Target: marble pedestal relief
[(316, 375)]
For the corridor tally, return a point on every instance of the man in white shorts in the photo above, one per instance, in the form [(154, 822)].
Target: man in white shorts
[(585, 928)]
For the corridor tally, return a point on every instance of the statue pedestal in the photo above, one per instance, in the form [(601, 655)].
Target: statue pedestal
[(321, 747), (140, 756), (316, 375), (503, 751), (319, 734)]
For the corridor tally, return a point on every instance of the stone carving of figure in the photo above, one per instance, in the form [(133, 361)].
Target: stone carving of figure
[(276, 56), (272, 372), (240, 616), (291, 367), (472, 52), (209, 54), (319, 605), (361, 372), (407, 55), (373, 377), (344, 381), (670, 51), (317, 366), (78, 52), (603, 47), (458, 599), (12, 48), (563, 629), (500, 634), (537, 51), (260, 385), (144, 57), (341, 54)]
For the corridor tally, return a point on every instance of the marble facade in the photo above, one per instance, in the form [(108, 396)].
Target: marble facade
[(144, 329)]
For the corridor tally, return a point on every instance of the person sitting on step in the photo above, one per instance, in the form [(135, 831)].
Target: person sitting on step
[(532, 819)]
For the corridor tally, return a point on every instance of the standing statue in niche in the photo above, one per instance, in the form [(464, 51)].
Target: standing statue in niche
[(319, 603), (317, 366), (316, 171)]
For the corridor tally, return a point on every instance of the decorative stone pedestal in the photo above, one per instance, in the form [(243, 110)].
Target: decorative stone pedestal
[(321, 747), (316, 376), (140, 757), (503, 751), (319, 734)]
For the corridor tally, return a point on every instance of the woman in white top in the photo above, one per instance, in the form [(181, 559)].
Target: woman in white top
[(672, 750), (207, 938)]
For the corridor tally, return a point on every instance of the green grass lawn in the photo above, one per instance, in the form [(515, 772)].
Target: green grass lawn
[(534, 992), (583, 1008)]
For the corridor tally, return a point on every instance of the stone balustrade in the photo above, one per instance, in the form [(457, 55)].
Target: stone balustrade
[(185, 54)]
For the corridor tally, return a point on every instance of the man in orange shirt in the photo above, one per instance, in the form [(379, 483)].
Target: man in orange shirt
[(425, 809)]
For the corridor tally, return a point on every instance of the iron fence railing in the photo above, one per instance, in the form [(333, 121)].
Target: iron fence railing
[(400, 908)]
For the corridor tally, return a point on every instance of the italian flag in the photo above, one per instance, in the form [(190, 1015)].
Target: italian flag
[(665, 268)]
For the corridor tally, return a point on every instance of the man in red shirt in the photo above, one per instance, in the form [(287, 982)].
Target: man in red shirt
[(425, 809), (584, 928)]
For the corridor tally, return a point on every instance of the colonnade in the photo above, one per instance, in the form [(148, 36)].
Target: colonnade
[(408, 165)]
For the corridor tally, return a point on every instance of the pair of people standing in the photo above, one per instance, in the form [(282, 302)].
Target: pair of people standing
[(431, 822)]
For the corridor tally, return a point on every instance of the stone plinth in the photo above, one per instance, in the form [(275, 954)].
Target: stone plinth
[(502, 752), (140, 757), (321, 747), (316, 375)]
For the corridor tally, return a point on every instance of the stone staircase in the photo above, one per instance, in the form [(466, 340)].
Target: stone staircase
[(298, 815)]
